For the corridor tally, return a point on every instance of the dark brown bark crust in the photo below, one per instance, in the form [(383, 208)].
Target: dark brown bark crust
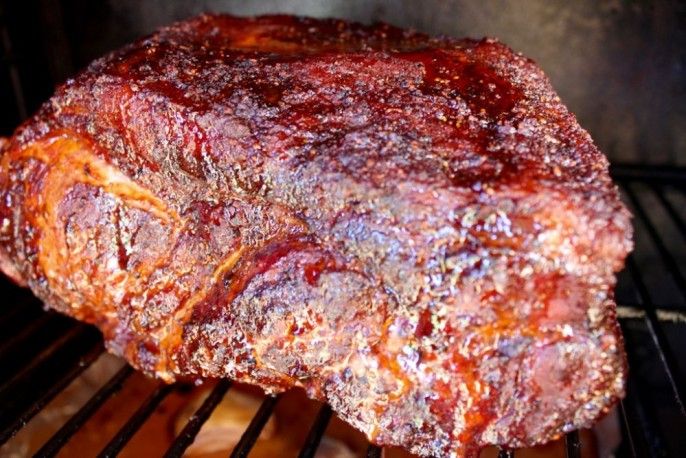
[(413, 229)]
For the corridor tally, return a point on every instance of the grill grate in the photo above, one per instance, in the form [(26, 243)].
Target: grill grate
[(68, 348), (57, 441)]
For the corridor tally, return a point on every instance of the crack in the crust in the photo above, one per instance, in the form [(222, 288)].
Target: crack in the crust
[(173, 338)]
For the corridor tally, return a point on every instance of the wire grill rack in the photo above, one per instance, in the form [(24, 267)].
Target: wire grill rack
[(42, 352)]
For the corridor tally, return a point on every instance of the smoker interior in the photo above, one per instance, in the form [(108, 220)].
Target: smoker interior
[(42, 353)]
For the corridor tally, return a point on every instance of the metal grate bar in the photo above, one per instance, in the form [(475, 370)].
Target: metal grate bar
[(642, 420), (645, 438), (30, 341), (665, 254), (627, 432), (506, 453), (671, 211), (374, 451), (27, 332), (16, 318), (134, 423), (665, 312), (314, 437), (663, 347), (572, 445), (9, 311), (25, 373), (62, 436), (187, 435), (14, 417), (252, 432)]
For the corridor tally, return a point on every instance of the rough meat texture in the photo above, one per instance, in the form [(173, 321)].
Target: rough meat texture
[(413, 229)]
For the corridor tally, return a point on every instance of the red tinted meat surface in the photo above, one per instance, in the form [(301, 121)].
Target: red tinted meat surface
[(413, 229)]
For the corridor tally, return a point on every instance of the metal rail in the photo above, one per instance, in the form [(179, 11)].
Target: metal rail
[(192, 428), (252, 432)]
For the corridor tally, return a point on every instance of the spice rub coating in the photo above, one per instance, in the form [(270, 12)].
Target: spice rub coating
[(413, 229)]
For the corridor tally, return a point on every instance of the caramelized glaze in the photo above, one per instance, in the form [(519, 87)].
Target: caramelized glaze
[(413, 229)]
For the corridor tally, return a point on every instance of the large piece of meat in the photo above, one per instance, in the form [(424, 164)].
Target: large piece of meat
[(413, 229)]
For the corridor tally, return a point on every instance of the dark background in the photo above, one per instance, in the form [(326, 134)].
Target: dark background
[(620, 65)]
